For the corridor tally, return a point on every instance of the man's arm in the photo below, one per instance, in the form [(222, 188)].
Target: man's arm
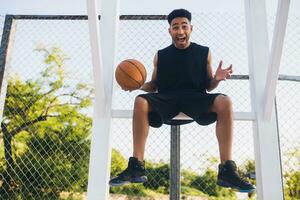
[(213, 82), (151, 86), (220, 75)]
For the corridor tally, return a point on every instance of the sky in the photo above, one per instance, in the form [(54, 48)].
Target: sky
[(129, 6), (126, 6)]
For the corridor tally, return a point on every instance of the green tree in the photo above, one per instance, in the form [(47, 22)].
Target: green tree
[(206, 183), (158, 176), (118, 163), (292, 177), (292, 186), (43, 110)]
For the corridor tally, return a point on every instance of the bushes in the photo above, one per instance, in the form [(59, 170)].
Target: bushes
[(51, 166), (292, 186)]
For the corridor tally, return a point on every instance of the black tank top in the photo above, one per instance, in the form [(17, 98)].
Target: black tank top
[(182, 69)]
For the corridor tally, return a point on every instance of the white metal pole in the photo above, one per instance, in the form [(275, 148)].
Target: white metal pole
[(276, 52), (267, 153), (8, 39), (103, 42)]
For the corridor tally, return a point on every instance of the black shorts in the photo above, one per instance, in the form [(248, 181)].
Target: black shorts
[(166, 105)]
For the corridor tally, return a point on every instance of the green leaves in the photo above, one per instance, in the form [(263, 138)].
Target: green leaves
[(47, 119)]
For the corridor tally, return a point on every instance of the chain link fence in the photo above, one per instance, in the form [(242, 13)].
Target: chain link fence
[(44, 151), (287, 99), (47, 110)]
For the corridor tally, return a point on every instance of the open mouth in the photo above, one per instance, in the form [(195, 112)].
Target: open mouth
[(181, 39)]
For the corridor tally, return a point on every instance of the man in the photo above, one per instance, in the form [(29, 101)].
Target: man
[(182, 76)]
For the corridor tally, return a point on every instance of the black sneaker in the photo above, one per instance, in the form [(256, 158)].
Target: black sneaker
[(134, 173), (229, 178)]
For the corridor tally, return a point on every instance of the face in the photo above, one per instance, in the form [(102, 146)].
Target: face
[(180, 30)]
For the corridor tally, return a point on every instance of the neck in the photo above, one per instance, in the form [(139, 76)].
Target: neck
[(182, 47)]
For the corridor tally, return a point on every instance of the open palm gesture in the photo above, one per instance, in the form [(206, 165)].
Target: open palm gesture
[(223, 74)]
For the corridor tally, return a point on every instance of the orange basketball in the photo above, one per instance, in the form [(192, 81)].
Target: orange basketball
[(130, 74)]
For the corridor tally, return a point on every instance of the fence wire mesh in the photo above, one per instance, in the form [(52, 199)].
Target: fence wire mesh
[(287, 100), (46, 122), (287, 103)]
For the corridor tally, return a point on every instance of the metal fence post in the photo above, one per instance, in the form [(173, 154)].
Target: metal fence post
[(5, 51), (175, 163)]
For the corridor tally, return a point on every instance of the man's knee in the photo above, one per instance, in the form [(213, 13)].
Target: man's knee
[(141, 104), (222, 104)]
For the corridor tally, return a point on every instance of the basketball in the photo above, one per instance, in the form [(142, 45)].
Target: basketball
[(130, 74)]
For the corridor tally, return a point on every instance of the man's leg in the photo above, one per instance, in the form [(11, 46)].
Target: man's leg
[(135, 172), (228, 175), (140, 127), (224, 128)]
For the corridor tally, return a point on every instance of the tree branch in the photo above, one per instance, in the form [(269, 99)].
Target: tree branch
[(51, 101), (29, 123), (63, 104), (41, 97)]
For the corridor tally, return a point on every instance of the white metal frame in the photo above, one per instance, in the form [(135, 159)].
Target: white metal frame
[(266, 141), (276, 52), (103, 56)]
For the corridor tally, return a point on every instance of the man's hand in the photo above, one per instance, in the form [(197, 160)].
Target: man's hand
[(223, 74), (149, 87)]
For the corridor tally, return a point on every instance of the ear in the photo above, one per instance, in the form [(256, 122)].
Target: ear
[(169, 29), (191, 28)]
